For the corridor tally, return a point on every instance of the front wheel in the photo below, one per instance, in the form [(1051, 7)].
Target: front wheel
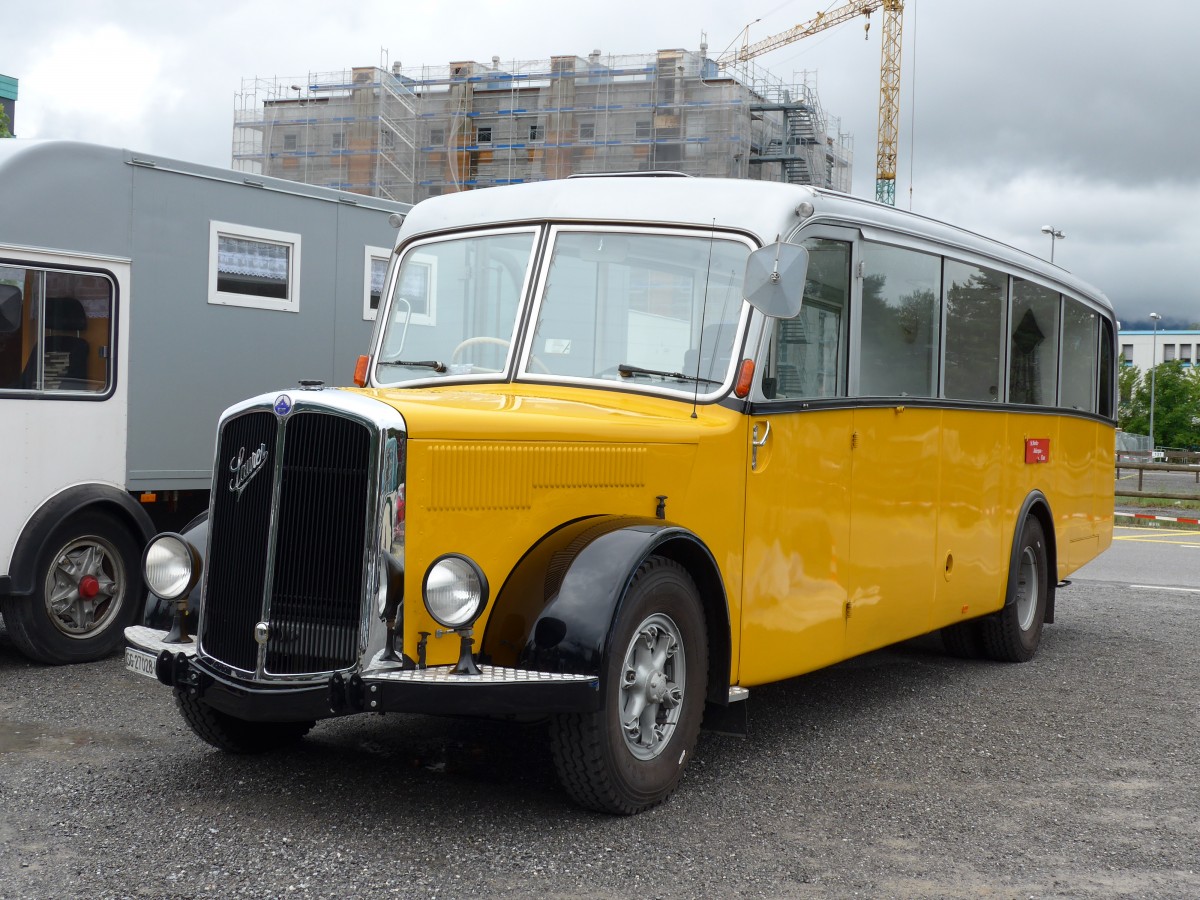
[(88, 588), (630, 755), (1013, 634), (234, 735)]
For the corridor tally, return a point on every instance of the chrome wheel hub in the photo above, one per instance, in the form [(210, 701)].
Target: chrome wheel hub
[(652, 678)]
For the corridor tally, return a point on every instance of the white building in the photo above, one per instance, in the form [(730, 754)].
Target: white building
[(1139, 347)]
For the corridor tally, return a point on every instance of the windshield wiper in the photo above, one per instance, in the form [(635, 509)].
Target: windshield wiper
[(627, 370), (434, 364)]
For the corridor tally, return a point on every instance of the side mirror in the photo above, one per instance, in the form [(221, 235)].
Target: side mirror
[(394, 347), (775, 276)]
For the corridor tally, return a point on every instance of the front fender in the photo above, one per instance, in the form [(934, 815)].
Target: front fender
[(556, 611)]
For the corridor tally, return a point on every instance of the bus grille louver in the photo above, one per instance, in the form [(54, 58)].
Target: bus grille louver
[(313, 612)]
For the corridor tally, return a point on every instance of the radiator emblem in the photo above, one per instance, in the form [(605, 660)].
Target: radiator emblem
[(261, 632), (245, 468), (283, 405)]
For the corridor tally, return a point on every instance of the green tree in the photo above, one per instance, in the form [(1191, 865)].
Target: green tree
[(4, 132), (1127, 382), (1176, 404)]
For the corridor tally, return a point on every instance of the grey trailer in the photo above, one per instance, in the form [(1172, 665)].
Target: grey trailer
[(139, 297)]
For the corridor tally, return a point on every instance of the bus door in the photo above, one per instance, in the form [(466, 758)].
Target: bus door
[(798, 483), (896, 442), (893, 524)]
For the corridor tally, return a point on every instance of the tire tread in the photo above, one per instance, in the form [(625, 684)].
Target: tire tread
[(16, 621), (964, 640), (1000, 633), (234, 735), (575, 742), (579, 743)]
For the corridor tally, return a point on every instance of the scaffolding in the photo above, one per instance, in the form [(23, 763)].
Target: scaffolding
[(408, 134)]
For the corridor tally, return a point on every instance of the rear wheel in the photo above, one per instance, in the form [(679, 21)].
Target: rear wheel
[(88, 588), (233, 735), (963, 640), (1013, 634), (630, 755)]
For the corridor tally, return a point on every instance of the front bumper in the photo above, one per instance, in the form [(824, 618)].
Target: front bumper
[(384, 687)]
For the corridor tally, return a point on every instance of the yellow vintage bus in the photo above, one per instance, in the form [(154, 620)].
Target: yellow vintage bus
[(626, 447)]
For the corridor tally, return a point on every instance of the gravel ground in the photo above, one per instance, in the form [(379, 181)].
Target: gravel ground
[(905, 773)]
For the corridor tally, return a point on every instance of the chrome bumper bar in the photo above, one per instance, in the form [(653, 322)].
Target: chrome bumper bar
[(495, 691)]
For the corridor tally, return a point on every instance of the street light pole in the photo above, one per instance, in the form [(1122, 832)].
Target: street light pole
[(1153, 366), (1055, 235), (301, 102)]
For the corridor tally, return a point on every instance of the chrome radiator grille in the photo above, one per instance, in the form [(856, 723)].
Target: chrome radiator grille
[(316, 599), (311, 600)]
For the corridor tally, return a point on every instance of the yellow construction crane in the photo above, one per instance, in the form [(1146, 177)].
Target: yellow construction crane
[(889, 75)]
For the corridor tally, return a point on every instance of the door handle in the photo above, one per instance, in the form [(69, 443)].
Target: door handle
[(756, 442)]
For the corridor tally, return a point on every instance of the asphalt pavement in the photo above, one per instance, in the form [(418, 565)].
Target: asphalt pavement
[(904, 773)]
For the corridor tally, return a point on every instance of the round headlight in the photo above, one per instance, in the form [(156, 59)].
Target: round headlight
[(168, 566), (455, 591)]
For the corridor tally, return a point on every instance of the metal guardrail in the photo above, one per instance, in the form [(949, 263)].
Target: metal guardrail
[(1185, 457), (1124, 461)]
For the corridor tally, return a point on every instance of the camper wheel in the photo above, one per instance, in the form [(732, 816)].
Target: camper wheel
[(88, 588)]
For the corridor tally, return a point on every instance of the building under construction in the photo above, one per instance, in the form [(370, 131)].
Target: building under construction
[(408, 134)]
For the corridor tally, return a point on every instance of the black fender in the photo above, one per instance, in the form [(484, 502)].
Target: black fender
[(1036, 505), (117, 504), (557, 609), (159, 613)]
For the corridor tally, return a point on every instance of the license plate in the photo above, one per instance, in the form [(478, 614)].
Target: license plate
[(140, 662)]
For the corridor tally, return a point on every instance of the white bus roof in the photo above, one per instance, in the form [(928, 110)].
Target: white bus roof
[(764, 209)]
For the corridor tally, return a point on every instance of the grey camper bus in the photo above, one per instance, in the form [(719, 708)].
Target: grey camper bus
[(139, 297)]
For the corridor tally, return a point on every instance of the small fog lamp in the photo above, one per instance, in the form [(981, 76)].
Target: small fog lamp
[(455, 591), (169, 566)]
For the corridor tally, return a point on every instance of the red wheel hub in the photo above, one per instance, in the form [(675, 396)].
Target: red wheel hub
[(89, 587)]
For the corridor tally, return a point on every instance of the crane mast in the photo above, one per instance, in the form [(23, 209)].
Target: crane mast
[(889, 103), (889, 75)]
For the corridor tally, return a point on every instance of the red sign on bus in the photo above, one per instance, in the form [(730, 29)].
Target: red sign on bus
[(1037, 450)]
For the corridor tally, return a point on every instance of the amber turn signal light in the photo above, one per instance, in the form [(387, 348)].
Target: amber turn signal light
[(745, 378), (360, 371)]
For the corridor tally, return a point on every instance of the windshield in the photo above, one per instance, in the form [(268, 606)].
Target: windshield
[(643, 308), (455, 307), (647, 309)]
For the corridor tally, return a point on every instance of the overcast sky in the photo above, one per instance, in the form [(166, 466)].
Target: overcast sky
[(1081, 115)]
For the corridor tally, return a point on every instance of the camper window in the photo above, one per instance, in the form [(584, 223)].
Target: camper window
[(253, 267), (55, 331)]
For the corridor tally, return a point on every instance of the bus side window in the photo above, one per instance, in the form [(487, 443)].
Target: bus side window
[(1107, 388), (806, 357), (900, 321), (1033, 351), (976, 298), (1079, 356)]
